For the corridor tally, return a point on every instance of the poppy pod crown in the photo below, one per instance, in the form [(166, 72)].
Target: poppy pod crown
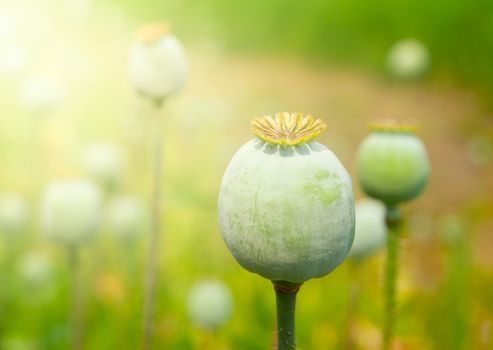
[(152, 32), (287, 129)]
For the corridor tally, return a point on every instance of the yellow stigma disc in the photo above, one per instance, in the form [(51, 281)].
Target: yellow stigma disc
[(392, 125), (152, 32), (287, 129)]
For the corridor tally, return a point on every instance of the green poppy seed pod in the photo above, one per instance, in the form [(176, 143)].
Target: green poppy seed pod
[(452, 228), (286, 204), (392, 163), (209, 304), (371, 232)]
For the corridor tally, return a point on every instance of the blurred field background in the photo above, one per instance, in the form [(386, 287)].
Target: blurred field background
[(246, 59)]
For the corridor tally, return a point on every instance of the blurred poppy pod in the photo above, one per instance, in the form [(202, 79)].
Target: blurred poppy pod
[(452, 228), (71, 211), (370, 232), (392, 163), (14, 214), (104, 163), (14, 59), (36, 268), (408, 59), (286, 205), (126, 217), (41, 94), (157, 64), (210, 304)]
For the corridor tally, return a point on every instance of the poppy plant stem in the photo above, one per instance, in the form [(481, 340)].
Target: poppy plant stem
[(151, 265), (393, 221), (286, 307), (76, 326), (353, 293)]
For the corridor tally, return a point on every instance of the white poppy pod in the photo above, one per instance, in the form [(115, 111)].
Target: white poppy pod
[(126, 217), (13, 60), (7, 24), (104, 162), (41, 94), (78, 11), (157, 64), (408, 59), (14, 214), (370, 230), (71, 211), (36, 267), (286, 205), (210, 304)]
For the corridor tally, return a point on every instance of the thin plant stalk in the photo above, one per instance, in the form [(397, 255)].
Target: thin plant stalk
[(37, 155), (130, 260), (76, 310), (457, 294), (353, 293), (286, 307), (4, 277), (393, 221), (151, 265)]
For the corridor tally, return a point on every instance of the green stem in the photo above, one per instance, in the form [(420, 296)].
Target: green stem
[(353, 293), (457, 294), (37, 155), (76, 326), (130, 260), (391, 268), (286, 306), (151, 267)]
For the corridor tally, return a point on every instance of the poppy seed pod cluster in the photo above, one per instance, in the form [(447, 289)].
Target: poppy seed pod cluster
[(209, 304), (286, 207), (392, 163), (157, 64), (70, 211), (370, 232)]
